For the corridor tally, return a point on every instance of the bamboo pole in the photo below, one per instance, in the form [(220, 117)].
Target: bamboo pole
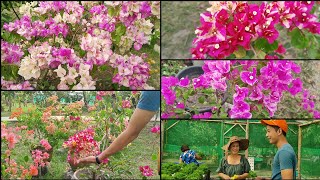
[(299, 153), (247, 137), (312, 122)]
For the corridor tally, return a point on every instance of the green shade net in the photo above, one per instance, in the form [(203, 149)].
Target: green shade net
[(207, 138), (310, 151)]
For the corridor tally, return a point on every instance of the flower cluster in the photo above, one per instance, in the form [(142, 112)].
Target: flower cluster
[(39, 158), (10, 85), (146, 171), (45, 144), (10, 137), (132, 71), (10, 53), (253, 87), (126, 104), (65, 41), (81, 145), (227, 25)]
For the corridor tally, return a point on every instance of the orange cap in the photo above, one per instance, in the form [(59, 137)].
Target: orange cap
[(280, 123)]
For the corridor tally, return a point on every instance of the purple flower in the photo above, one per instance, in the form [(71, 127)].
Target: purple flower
[(316, 114), (205, 115), (169, 81), (256, 93), (271, 106), (168, 95), (145, 9), (180, 105), (65, 52), (296, 86), (240, 94), (199, 82), (184, 82), (249, 77), (217, 66), (240, 109)]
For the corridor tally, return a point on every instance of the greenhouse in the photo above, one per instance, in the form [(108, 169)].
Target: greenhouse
[(206, 137)]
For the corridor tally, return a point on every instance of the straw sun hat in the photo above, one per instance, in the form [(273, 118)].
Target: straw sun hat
[(243, 143)]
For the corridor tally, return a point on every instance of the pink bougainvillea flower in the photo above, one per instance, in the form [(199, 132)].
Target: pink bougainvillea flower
[(204, 115), (180, 105), (296, 86), (241, 93), (240, 109), (281, 49), (45, 144), (249, 77), (126, 104), (146, 171), (256, 93), (155, 129), (184, 82)]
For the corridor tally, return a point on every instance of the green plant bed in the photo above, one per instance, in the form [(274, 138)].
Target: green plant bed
[(184, 171)]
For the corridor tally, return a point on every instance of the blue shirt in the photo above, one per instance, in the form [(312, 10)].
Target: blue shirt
[(149, 100), (285, 158), (189, 157)]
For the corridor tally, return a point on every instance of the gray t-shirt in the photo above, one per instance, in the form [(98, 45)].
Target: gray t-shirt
[(285, 158)]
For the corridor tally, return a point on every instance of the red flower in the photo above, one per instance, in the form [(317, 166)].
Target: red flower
[(33, 170)]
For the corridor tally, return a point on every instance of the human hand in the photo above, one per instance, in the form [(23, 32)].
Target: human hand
[(86, 160)]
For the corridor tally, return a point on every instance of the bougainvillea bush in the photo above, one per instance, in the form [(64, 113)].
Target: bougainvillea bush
[(237, 89), (88, 45), (239, 29)]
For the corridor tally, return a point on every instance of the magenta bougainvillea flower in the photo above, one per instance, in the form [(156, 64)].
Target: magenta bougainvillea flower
[(226, 26), (249, 77), (146, 171), (254, 85)]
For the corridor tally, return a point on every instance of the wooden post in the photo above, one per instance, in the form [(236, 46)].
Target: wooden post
[(299, 154), (247, 137)]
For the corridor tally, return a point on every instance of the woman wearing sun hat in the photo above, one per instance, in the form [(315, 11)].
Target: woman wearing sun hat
[(234, 165)]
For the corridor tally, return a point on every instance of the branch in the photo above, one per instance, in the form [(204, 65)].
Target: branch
[(14, 10)]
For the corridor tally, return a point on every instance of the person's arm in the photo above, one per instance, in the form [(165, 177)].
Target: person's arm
[(243, 176), (180, 160), (286, 164), (287, 174), (138, 121), (198, 157), (224, 176)]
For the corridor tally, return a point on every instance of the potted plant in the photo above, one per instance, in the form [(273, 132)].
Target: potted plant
[(195, 103), (80, 145)]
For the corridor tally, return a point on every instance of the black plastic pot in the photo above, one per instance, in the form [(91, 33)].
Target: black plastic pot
[(190, 72), (194, 72)]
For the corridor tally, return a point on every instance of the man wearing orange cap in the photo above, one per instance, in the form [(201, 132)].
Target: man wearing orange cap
[(284, 162)]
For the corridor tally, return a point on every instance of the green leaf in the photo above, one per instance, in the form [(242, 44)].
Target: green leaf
[(154, 157), (250, 54), (82, 53), (260, 54), (103, 68), (26, 158), (201, 99), (263, 45), (298, 39), (240, 53), (313, 53)]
